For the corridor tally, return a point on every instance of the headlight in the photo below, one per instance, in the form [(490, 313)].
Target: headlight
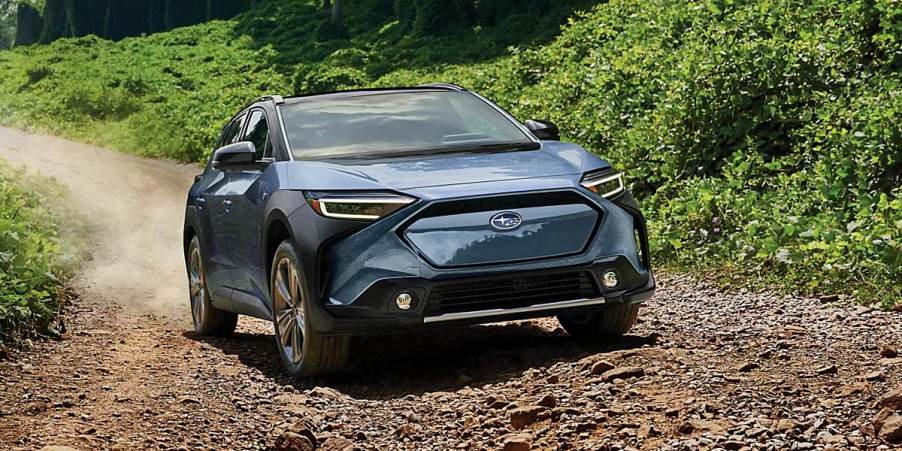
[(606, 184), (356, 206)]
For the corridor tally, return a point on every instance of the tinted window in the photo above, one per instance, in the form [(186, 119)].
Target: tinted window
[(395, 122), (258, 133), (231, 132)]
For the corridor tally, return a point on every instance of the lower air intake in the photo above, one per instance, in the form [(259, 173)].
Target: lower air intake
[(510, 292)]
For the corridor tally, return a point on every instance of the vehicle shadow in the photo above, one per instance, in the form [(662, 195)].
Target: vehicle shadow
[(412, 363)]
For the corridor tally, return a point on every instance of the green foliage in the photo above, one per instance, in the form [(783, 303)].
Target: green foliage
[(34, 256), (297, 30), (7, 24), (321, 78), (166, 95), (763, 136)]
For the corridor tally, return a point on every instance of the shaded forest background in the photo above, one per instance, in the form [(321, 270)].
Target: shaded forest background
[(112, 19)]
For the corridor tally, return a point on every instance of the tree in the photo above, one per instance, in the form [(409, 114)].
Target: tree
[(180, 13), (124, 18), (225, 9), (78, 16), (336, 12), (98, 11), (55, 23), (156, 16), (28, 24)]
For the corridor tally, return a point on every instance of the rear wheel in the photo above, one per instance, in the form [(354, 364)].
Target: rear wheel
[(610, 322), (304, 351), (208, 320)]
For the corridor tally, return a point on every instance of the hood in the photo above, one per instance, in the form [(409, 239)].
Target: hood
[(553, 159)]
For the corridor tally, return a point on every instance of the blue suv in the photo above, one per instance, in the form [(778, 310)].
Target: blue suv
[(368, 211)]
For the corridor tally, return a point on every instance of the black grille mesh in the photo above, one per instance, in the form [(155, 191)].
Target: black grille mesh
[(510, 292)]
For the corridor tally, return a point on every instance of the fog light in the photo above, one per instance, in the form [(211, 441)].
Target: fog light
[(609, 279), (404, 301)]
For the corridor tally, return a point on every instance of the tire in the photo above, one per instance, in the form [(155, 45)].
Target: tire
[(611, 322), (208, 320), (319, 354)]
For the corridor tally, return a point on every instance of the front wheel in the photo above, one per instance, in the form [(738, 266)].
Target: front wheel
[(610, 322), (208, 320), (304, 351)]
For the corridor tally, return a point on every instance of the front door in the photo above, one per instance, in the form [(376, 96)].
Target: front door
[(214, 212), (247, 195)]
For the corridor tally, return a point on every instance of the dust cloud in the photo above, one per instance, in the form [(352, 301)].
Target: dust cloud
[(135, 208)]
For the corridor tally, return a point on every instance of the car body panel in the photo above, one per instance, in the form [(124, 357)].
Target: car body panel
[(465, 239), (353, 268), (405, 173)]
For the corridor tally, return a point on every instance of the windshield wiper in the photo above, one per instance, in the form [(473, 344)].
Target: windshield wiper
[(479, 148), (509, 146)]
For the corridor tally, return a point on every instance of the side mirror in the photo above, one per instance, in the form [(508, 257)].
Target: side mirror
[(544, 130), (240, 156)]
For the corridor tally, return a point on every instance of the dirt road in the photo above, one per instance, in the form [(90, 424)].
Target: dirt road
[(137, 208), (703, 369)]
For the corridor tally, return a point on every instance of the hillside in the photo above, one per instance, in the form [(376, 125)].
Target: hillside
[(765, 139)]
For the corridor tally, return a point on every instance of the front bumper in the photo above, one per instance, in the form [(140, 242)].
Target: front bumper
[(375, 311), (357, 270)]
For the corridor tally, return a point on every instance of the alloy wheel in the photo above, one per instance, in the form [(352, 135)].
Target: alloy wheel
[(197, 286), (289, 310)]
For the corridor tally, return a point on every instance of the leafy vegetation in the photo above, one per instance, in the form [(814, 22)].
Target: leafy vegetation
[(36, 253), (7, 23), (764, 137)]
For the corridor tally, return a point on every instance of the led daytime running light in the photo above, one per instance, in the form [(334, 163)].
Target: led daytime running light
[(608, 186), (358, 208)]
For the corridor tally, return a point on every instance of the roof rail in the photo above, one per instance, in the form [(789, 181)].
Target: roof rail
[(278, 100), (450, 86)]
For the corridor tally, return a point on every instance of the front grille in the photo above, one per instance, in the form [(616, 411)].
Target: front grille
[(501, 203), (545, 233), (510, 292)]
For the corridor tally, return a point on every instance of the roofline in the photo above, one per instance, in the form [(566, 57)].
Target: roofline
[(279, 100)]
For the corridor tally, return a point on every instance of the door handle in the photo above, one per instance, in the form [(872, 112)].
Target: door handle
[(200, 202), (227, 204)]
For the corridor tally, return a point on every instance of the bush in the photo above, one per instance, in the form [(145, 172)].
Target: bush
[(34, 257), (321, 78)]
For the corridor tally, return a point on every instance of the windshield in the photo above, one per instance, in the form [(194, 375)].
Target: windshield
[(376, 124)]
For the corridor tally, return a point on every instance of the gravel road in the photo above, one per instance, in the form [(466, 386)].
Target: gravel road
[(703, 369)]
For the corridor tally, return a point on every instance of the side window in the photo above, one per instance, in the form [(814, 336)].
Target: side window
[(258, 133), (231, 132)]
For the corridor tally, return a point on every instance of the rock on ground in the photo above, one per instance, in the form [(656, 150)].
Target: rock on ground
[(120, 379)]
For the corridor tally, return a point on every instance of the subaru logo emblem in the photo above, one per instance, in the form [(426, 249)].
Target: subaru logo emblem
[(506, 221)]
